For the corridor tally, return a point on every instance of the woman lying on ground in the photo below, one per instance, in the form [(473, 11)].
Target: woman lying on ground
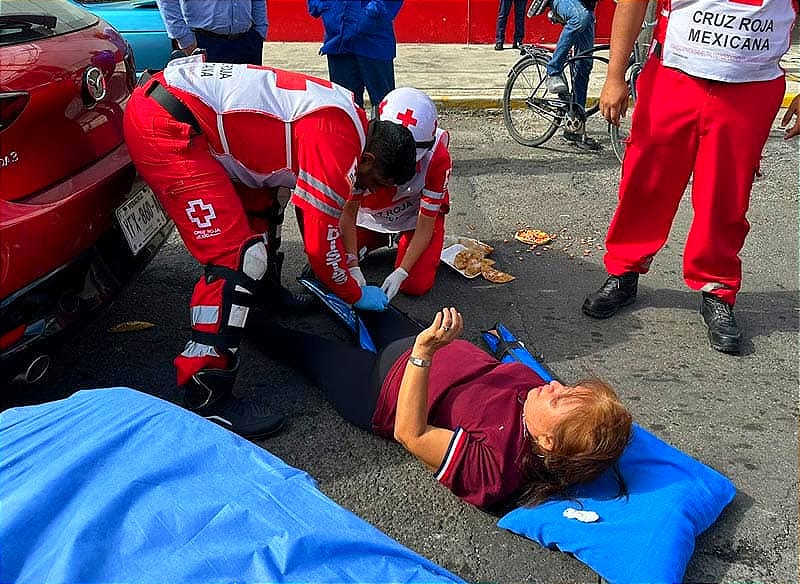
[(493, 432)]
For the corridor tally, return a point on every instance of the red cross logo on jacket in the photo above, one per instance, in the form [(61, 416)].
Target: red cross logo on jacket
[(200, 213)]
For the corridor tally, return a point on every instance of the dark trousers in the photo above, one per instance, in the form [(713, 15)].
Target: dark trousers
[(246, 49), (357, 73), (519, 20), (350, 376)]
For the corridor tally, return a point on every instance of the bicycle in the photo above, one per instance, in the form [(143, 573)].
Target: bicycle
[(532, 116)]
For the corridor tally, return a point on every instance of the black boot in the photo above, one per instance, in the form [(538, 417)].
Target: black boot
[(723, 332), (273, 295), (209, 394), (616, 292)]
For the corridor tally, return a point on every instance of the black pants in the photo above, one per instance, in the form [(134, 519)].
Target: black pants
[(246, 49), (351, 377)]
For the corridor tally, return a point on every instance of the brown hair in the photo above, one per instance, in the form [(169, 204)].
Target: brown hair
[(589, 440)]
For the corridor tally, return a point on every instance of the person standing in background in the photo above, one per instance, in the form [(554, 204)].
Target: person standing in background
[(230, 31), (502, 21), (360, 44), (704, 111), (577, 36)]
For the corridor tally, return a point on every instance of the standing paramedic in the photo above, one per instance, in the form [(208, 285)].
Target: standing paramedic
[(414, 210), (707, 97), (216, 142), (360, 44), (230, 31)]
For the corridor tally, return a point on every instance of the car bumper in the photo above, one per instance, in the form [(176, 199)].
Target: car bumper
[(64, 254)]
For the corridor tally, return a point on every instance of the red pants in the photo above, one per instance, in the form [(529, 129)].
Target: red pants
[(423, 273), (210, 213), (681, 126), (322, 241)]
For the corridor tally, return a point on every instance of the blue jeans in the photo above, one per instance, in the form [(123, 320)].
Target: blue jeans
[(357, 73), (519, 20), (577, 33)]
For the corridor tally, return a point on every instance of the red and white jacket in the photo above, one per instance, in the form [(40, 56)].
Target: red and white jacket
[(396, 209), (253, 120)]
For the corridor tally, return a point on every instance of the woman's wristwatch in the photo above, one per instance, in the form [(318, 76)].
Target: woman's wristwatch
[(419, 362)]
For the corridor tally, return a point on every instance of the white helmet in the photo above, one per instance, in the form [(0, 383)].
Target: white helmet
[(414, 110)]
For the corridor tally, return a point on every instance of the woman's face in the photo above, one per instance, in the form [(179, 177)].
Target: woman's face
[(543, 409)]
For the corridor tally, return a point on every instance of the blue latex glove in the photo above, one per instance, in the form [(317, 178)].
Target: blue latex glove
[(372, 298)]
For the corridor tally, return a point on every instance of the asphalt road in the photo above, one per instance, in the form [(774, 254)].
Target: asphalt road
[(737, 414)]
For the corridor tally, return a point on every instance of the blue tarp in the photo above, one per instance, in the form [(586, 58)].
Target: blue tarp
[(114, 485)]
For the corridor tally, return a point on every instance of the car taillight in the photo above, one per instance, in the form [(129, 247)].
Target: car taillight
[(11, 105)]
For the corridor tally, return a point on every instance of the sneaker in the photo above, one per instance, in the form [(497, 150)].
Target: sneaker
[(723, 332), (556, 84), (582, 140), (245, 418), (616, 292), (517, 45), (498, 46)]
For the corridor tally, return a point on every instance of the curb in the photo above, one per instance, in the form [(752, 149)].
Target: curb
[(461, 102)]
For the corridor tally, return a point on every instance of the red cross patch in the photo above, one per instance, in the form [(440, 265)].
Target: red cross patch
[(407, 118), (200, 213)]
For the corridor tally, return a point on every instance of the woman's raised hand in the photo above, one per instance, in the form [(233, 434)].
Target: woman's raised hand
[(446, 326)]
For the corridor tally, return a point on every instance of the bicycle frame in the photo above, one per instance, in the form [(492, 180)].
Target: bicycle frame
[(532, 51)]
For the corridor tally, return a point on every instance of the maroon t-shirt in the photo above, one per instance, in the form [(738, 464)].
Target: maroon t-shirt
[(480, 399)]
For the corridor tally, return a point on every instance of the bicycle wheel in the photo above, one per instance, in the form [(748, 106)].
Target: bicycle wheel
[(620, 134), (530, 116)]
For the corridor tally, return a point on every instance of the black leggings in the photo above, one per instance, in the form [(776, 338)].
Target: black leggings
[(351, 377)]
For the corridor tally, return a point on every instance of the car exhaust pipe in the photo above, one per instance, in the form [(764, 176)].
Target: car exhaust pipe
[(35, 371)]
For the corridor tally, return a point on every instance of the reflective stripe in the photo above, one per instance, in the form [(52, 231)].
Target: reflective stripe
[(711, 286), (304, 195), (222, 138), (429, 207), (238, 316), (288, 137), (432, 194), (205, 314), (320, 186), (194, 349)]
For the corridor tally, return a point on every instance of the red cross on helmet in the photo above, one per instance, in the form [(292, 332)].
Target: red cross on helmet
[(414, 110)]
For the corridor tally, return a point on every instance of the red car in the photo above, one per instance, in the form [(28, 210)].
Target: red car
[(76, 223)]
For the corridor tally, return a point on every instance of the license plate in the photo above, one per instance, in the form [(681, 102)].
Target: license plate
[(140, 218)]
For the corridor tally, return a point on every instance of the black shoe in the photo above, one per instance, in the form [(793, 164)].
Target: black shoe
[(723, 332), (245, 418), (498, 46), (581, 140), (272, 295), (618, 291), (209, 394), (282, 299), (517, 45)]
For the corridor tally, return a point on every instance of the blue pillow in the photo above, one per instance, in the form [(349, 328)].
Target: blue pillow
[(648, 537)]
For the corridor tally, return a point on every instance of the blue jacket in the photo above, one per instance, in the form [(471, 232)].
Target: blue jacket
[(360, 27)]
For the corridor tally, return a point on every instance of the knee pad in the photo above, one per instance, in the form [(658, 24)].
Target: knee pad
[(253, 262), (236, 296)]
